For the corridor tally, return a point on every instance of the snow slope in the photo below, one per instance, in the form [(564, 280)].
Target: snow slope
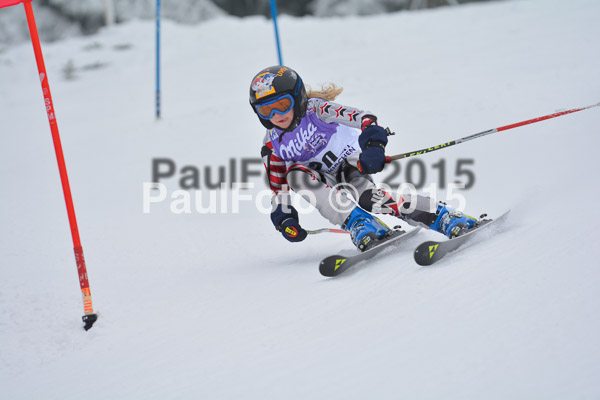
[(218, 306)]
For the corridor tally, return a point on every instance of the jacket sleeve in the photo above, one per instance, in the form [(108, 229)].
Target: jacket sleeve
[(275, 166), (330, 112)]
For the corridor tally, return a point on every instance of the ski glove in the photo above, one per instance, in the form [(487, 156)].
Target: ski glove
[(287, 223), (372, 141)]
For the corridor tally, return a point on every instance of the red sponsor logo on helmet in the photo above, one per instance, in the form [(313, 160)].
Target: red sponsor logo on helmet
[(262, 84)]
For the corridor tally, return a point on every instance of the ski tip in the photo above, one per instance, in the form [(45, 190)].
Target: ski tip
[(332, 265), (425, 253)]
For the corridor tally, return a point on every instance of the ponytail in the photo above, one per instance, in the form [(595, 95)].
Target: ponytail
[(329, 91)]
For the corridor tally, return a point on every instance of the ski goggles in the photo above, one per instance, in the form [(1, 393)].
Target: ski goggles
[(278, 105)]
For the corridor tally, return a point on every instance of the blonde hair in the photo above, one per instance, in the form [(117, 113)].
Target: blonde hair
[(329, 91)]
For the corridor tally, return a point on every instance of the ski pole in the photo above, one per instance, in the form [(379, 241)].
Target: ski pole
[(325, 230), (389, 159)]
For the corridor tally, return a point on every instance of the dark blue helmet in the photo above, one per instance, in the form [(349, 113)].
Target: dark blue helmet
[(276, 81)]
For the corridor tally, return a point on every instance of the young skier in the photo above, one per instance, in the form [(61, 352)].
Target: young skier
[(337, 147)]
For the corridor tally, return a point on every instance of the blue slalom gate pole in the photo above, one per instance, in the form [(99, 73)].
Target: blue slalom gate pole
[(274, 14), (157, 59)]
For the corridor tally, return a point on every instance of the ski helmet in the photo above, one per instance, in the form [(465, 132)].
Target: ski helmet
[(274, 82)]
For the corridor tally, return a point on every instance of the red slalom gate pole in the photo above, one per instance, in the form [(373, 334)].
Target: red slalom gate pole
[(389, 159), (89, 316)]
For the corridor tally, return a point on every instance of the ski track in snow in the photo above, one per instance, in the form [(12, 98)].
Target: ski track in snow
[(219, 306)]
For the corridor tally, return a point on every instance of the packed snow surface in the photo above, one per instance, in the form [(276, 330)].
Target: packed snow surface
[(217, 305)]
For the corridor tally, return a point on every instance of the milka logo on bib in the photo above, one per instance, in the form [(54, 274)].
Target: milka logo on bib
[(295, 146)]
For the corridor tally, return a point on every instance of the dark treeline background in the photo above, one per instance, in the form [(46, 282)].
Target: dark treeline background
[(63, 18)]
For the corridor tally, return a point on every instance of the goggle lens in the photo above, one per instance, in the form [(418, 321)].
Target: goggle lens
[(280, 106)]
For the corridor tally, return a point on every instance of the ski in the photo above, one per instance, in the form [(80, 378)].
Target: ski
[(336, 264), (429, 252)]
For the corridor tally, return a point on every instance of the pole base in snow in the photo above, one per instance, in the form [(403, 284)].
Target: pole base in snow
[(89, 320)]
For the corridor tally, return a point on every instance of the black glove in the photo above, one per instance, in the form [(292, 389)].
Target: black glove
[(372, 141), (287, 223)]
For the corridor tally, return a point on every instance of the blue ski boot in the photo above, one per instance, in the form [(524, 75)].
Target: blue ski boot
[(364, 228), (451, 222)]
